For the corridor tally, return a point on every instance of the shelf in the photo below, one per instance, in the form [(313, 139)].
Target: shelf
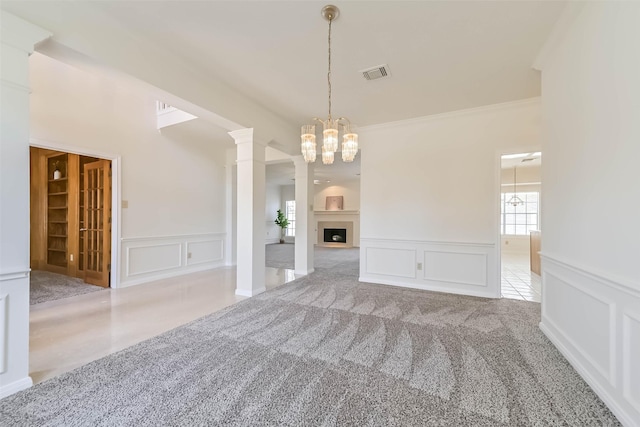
[(57, 207), (59, 179), (56, 250), (58, 235), (57, 222), (60, 193)]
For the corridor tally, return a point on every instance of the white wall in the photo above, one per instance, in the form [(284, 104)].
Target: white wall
[(349, 189), (431, 198), (17, 39), (175, 187), (591, 242)]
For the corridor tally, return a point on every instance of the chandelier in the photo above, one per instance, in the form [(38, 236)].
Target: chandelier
[(515, 200), (331, 125)]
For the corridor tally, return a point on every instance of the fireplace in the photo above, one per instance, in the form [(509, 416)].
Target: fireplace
[(335, 235)]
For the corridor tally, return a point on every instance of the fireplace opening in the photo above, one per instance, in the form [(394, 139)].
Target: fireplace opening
[(335, 235)]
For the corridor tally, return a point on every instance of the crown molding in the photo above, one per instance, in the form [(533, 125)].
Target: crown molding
[(451, 114)]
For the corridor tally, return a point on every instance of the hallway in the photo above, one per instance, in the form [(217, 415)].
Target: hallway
[(518, 281)]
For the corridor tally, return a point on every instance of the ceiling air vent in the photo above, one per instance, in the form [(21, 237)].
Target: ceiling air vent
[(527, 160), (376, 72)]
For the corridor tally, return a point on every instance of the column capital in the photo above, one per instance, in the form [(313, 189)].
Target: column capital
[(242, 136)]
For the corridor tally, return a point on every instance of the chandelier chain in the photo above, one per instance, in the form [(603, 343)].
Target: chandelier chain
[(329, 71), (331, 127)]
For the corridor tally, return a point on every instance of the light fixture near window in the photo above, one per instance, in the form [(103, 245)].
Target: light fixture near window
[(515, 200), (331, 125)]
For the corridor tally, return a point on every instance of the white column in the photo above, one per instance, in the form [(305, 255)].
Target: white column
[(17, 40), (250, 216), (230, 207), (305, 223)]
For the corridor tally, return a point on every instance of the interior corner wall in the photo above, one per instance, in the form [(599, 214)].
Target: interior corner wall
[(590, 240), (429, 203), (174, 185)]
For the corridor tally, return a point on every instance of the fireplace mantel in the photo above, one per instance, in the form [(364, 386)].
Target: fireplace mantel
[(337, 212)]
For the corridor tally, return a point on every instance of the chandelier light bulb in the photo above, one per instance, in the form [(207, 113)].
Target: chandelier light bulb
[(327, 156), (349, 147), (308, 145), (330, 135)]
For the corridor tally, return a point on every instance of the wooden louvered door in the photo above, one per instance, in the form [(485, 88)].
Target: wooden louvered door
[(96, 227)]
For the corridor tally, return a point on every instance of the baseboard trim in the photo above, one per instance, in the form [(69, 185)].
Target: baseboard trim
[(174, 273), (14, 387), (250, 293), (557, 338)]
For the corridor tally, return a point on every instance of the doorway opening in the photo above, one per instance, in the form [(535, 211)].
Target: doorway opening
[(71, 220), (520, 189)]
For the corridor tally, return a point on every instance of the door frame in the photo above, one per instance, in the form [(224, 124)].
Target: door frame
[(116, 191), (498, 207)]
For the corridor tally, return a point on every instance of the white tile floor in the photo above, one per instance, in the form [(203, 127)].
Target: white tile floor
[(518, 281), (71, 332)]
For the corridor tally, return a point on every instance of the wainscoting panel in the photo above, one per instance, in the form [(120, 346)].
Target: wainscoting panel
[(595, 323), (14, 332), (590, 329), (391, 262), (630, 355), (443, 266), (4, 325), (461, 268), (153, 258), (205, 251)]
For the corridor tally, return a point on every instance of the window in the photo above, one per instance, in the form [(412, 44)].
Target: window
[(519, 220), (290, 213)]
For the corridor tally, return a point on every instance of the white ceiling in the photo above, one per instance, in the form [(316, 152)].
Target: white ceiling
[(521, 160), (283, 173), (443, 55)]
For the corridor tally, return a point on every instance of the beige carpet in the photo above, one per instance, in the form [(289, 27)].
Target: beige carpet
[(326, 350), (45, 286), (281, 255)]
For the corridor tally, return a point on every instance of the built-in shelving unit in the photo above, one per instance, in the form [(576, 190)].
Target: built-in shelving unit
[(70, 215), (57, 210)]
